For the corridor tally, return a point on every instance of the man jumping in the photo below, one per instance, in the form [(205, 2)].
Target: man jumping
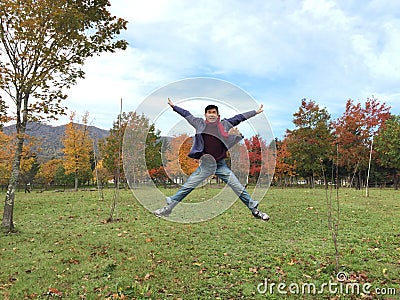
[(212, 140)]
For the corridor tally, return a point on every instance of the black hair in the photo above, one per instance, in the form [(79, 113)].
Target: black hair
[(211, 106)]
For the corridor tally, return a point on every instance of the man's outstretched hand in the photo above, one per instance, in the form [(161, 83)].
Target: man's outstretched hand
[(260, 109), (170, 103), (234, 131)]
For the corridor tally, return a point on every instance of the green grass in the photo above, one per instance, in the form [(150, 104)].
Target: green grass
[(64, 249)]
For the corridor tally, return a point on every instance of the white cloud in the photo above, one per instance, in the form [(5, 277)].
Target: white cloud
[(280, 51)]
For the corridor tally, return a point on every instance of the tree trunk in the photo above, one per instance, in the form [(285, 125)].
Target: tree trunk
[(326, 181), (10, 195), (369, 169), (312, 181), (76, 182), (359, 181), (395, 180)]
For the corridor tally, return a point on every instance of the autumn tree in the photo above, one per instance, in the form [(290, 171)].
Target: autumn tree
[(101, 174), (354, 132), (77, 149), (48, 170), (6, 153), (159, 175), (310, 142), (29, 161), (171, 156), (260, 159), (239, 161), (29, 165), (254, 151), (43, 44), (188, 165), (177, 161), (387, 145), (3, 113), (285, 166)]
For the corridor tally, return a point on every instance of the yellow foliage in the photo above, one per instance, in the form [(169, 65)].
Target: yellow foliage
[(49, 169), (7, 153), (77, 147)]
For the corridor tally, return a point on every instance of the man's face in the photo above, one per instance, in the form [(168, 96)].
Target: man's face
[(211, 115)]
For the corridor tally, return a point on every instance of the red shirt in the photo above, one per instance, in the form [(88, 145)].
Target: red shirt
[(212, 143)]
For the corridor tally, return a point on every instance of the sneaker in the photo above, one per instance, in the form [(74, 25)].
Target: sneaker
[(259, 214), (163, 211)]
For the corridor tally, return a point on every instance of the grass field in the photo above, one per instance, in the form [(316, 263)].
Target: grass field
[(65, 249)]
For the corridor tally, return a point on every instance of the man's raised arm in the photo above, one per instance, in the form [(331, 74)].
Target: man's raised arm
[(194, 121), (260, 109), (170, 103)]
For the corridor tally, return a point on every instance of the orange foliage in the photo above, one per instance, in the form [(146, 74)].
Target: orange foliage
[(177, 156), (283, 167), (355, 129), (49, 169)]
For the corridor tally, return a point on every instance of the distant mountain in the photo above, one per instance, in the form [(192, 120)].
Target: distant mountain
[(50, 138)]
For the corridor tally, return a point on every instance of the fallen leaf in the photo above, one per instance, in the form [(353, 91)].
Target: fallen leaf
[(74, 261), (253, 270)]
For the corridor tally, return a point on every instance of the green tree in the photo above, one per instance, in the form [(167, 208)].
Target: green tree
[(310, 143), (153, 148), (61, 178), (43, 44), (111, 147), (119, 141), (387, 145)]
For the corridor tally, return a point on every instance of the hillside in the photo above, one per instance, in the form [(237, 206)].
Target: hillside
[(49, 138)]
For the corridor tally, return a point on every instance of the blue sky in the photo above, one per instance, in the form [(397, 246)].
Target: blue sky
[(278, 51)]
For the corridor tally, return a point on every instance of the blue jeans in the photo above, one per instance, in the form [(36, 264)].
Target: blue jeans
[(208, 167)]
